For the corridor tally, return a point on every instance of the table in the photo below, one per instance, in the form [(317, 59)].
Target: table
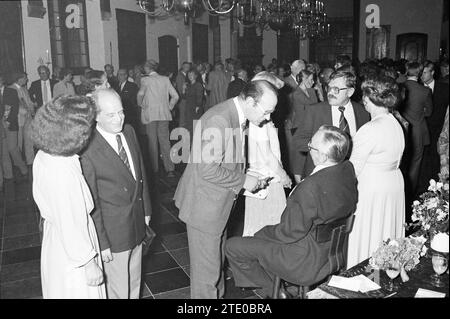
[(419, 277)]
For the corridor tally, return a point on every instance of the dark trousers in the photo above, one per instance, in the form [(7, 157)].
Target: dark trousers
[(246, 259)]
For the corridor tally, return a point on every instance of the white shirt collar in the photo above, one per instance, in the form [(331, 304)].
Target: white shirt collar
[(109, 137), (292, 76), (241, 116), (431, 85), (319, 168)]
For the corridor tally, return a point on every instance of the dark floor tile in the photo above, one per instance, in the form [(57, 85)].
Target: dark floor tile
[(20, 230), (233, 292), (171, 242), (162, 217), (183, 293), (164, 188), (21, 289), (157, 262), (170, 206), (170, 228), (145, 292), (166, 280), (181, 256), (11, 243), (156, 246), (20, 219), (20, 271), (149, 297), (187, 270), (21, 255)]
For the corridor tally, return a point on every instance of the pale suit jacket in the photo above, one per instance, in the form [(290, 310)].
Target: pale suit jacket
[(206, 191)]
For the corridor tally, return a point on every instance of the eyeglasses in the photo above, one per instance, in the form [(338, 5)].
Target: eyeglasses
[(264, 112), (335, 90), (312, 148)]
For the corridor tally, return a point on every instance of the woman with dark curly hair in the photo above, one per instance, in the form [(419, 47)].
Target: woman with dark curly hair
[(94, 80), (377, 150), (70, 264)]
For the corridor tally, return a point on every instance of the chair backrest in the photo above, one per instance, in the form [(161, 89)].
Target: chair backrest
[(337, 232)]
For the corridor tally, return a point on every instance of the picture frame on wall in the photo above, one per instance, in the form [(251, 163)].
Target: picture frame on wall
[(377, 42)]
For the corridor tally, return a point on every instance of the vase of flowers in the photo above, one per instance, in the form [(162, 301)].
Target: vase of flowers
[(405, 252), (430, 212)]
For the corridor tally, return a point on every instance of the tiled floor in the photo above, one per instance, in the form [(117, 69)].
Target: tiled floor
[(165, 267)]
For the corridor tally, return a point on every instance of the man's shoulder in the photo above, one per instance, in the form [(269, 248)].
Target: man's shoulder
[(35, 83)]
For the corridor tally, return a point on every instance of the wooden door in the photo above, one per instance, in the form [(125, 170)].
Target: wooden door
[(11, 54), (131, 37), (199, 42), (168, 54), (412, 46)]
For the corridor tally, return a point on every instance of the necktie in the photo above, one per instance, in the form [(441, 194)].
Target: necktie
[(122, 152), (44, 92), (343, 124)]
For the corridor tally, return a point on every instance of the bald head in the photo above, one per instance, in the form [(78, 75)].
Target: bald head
[(269, 77), (297, 66), (110, 116)]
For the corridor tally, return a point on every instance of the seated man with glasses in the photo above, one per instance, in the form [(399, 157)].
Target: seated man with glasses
[(338, 111), (289, 249)]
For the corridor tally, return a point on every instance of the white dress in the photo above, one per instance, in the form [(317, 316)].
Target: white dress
[(70, 239), (263, 212), (380, 214)]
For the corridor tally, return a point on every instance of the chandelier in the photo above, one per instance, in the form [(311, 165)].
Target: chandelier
[(306, 17)]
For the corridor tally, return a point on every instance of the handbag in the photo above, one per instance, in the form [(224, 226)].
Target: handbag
[(148, 239)]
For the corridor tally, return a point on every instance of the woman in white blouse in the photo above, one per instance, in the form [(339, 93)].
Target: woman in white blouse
[(65, 85)]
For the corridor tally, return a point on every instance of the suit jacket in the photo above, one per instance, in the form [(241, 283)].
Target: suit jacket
[(300, 101), (11, 105), (121, 202), (217, 86), (36, 91), (440, 102), (128, 95), (235, 87), (317, 115), (155, 91), (323, 197), (290, 89), (207, 188), (417, 105)]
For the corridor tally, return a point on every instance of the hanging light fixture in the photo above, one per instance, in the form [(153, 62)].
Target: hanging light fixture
[(306, 17)]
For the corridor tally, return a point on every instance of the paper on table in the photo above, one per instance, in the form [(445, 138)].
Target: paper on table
[(425, 293), (262, 194), (344, 283), (357, 283), (366, 284)]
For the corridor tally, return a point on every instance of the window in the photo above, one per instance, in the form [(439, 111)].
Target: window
[(68, 34)]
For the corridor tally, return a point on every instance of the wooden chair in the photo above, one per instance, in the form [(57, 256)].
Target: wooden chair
[(337, 232)]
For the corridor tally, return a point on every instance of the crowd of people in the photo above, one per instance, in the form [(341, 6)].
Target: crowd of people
[(360, 139)]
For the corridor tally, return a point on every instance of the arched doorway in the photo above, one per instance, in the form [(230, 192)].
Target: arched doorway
[(412, 46), (168, 54)]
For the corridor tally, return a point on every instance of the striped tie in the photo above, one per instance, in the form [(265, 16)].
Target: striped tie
[(122, 152), (343, 124)]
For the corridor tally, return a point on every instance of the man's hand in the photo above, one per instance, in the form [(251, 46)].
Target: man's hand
[(94, 275), (107, 255), (147, 220), (251, 183), (286, 181), (298, 178)]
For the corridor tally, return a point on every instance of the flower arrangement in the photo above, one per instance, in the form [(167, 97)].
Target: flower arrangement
[(430, 213), (403, 251)]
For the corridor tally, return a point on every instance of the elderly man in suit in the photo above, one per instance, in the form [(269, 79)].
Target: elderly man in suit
[(289, 90), (114, 170), (289, 249), (417, 105), (157, 97), (214, 177), (338, 111), (41, 90), (128, 94)]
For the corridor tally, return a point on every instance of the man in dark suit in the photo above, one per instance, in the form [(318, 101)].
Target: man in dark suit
[(339, 111), (212, 180), (114, 170), (41, 91), (112, 79), (235, 87), (289, 249), (418, 104), (128, 94), (431, 164), (181, 81)]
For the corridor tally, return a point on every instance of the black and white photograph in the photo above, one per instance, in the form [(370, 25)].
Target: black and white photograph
[(232, 150)]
